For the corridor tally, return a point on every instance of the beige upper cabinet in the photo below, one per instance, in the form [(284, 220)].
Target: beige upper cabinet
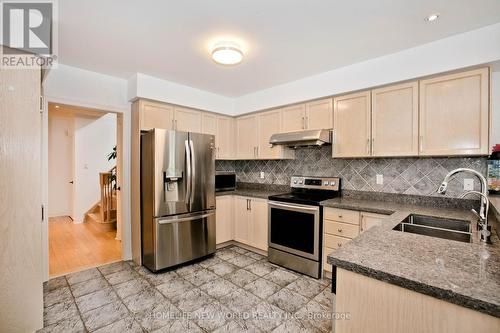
[(246, 137), (209, 124), (269, 123), (454, 114), (156, 115), (351, 125), (187, 120), (225, 137), (294, 118), (395, 120), (312, 115), (253, 133), (319, 114)]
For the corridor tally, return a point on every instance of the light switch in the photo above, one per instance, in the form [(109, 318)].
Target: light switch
[(262, 175), (380, 179), (468, 184)]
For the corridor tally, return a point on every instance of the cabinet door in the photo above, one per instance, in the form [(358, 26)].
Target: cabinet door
[(225, 137), (395, 120), (209, 124), (294, 118), (156, 115), (454, 114), (259, 224), (187, 120), (369, 220), (246, 132), (269, 123), (351, 125), (224, 219), (319, 114), (241, 220)]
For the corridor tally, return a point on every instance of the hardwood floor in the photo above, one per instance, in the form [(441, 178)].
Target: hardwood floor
[(73, 247)]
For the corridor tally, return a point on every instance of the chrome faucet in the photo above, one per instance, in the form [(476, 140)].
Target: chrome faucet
[(483, 210), (483, 221)]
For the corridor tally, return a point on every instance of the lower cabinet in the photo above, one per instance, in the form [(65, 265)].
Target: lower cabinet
[(224, 219), (243, 219), (342, 225)]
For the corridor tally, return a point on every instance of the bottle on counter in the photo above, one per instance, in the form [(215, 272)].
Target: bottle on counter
[(494, 170)]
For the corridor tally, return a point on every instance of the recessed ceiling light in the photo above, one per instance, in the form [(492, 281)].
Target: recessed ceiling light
[(57, 106), (227, 53), (432, 17)]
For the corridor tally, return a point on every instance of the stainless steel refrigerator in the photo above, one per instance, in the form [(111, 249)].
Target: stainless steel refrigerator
[(177, 197)]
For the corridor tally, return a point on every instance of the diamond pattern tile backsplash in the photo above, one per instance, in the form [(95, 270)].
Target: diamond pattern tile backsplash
[(416, 175)]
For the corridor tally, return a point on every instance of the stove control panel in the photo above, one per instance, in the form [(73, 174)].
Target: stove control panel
[(320, 183)]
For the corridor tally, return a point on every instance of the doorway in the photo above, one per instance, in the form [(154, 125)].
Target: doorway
[(84, 177)]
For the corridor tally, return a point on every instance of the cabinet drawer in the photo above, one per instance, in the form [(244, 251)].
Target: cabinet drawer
[(326, 251), (335, 242), (342, 215), (341, 229)]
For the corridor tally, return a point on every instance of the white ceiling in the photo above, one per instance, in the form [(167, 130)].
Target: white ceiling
[(284, 40)]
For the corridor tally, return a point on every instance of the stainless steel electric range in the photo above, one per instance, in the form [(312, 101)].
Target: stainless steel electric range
[(295, 224)]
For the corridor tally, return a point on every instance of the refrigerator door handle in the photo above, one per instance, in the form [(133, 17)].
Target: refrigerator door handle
[(188, 172), (183, 219), (193, 169)]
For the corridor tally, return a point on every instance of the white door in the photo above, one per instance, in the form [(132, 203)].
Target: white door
[(60, 166)]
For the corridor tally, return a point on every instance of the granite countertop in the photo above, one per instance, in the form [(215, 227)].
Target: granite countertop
[(254, 193), (254, 190), (467, 274)]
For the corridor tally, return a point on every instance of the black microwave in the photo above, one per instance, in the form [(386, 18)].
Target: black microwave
[(225, 181)]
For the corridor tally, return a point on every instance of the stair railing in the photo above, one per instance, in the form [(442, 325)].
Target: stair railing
[(107, 181)]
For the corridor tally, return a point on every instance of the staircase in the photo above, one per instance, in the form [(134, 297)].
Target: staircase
[(102, 216)]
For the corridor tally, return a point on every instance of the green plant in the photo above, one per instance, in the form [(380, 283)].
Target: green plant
[(112, 178), (112, 155)]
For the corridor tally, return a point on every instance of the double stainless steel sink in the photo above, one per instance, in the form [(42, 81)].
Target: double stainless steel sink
[(452, 229)]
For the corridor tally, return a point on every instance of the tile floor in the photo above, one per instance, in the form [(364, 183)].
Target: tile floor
[(234, 291)]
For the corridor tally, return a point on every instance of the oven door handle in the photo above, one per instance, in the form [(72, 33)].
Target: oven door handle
[(293, 206)]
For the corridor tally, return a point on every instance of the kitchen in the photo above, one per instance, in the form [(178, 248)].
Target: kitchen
[(360, 199)]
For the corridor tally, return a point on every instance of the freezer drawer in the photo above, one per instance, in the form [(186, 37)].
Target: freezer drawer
[(179, 239)]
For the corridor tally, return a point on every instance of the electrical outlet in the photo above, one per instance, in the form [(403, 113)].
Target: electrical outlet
[(380, 179), (468, 184), (262, 175)]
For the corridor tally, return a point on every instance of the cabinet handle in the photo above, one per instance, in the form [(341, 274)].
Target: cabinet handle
[(303, 123), (420, 142), (340, 215), (176, 124), (339, 244), (368, 146), (218, 151), (173, 124), (247, 204), (250, 203), (257, 151), (339, 230), (307, 122)]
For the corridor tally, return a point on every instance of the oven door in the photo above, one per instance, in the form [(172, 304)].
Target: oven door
[(295, 229)]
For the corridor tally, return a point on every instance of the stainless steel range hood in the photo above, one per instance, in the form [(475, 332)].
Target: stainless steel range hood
[(302, 138)]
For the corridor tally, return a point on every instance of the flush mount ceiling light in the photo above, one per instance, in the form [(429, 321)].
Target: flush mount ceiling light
[(227, 53), (432, 17)]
